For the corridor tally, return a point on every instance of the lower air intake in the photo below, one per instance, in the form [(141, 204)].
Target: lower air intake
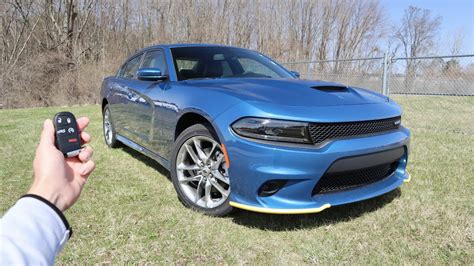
[(333, 182)]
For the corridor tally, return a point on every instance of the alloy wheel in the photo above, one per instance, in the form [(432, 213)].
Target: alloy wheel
[(108, 127), (202, 172)]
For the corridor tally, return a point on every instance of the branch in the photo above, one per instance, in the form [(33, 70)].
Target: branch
[(51, 17), (85, 21), (24, 44)]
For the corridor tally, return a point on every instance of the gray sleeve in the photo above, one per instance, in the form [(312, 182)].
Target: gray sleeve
[(33, 231)]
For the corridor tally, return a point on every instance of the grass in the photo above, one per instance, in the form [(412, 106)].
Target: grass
[(129, 211)]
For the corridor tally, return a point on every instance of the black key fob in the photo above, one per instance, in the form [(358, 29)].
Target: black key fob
[(68, 140)]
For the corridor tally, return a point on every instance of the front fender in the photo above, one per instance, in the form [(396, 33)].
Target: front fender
[(207, 116)]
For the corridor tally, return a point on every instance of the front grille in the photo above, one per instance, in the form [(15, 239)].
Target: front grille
[(321, 132), (333, 182)]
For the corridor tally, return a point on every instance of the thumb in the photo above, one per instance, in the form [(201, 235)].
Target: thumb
[(47, 135)]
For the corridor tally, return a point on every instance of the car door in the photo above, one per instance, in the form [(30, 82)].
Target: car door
[(121, 95), (146, 118)]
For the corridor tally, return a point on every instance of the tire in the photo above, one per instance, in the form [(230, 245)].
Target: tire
[(200, 178), (109, 129)]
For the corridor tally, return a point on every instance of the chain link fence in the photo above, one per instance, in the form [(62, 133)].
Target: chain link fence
[(434, 75), (434, 92), (440, 75), (361, 72)]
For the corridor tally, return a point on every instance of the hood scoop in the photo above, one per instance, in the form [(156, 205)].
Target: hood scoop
[(331, 88)]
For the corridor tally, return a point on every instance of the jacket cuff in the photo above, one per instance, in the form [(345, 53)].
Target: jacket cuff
[(52, 206)]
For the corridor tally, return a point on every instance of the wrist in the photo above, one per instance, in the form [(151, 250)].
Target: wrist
[(54, 208), (50, 196)]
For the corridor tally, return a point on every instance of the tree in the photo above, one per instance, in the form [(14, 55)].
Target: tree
[(457, 42), (416, 34), (452, 69), (68, 46), (417, 31)]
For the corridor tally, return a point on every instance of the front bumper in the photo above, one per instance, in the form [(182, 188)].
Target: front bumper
[(254, 163)]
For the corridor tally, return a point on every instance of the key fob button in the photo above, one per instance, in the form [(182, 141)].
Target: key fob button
[(63, 120), (67, 134)]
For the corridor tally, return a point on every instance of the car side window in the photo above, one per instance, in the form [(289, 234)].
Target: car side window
[(155, 59), (130, 69)]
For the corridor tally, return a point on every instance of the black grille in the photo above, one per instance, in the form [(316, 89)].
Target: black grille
[(351, 179), (321, 132)]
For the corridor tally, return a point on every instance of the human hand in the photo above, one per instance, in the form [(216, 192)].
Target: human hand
[(58, 179)]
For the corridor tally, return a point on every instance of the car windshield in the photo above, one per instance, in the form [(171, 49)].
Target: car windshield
[(224, 62)]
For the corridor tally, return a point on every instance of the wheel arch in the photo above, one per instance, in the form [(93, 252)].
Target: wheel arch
[(193, 117), (104, 103)]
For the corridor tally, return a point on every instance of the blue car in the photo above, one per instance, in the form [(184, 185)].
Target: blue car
[(237, 130)]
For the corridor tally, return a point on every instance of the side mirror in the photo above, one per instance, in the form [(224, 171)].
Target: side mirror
[(295, 74), (150, 74)]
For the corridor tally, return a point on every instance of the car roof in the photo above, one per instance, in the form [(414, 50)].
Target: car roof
[(177, 45)]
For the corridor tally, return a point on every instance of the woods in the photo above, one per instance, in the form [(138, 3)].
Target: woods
[(65, 47)]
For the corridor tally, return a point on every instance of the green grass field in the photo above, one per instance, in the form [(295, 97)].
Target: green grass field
[(129, 211)]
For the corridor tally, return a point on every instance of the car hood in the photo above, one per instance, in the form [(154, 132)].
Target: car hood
[(290, 92)]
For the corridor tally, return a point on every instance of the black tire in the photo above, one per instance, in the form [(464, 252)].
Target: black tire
[(196, 130), (113, 142)]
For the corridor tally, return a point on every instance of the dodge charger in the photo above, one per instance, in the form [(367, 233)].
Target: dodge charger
[(236, 129)]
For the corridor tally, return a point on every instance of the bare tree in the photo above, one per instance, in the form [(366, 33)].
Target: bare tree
[(69, 45), (457, 41), (416, 34), (417, 31), (358, 26)]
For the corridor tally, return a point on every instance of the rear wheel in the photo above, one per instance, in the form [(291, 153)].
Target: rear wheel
[(109, 130), (199, 171)]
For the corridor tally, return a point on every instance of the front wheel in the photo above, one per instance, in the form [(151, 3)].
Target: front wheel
[(109, 129), (199, 171)]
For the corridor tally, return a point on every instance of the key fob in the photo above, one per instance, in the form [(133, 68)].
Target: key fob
[(68, 140)]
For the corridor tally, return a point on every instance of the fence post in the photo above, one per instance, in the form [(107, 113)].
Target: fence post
[(389, 73), (308, 69), (386, 62)]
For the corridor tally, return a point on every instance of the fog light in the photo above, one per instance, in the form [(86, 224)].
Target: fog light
[(271, 187)]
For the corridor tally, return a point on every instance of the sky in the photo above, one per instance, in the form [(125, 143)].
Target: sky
[(456, 15)]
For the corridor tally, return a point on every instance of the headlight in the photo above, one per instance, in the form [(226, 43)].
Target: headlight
[(271, 129)]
